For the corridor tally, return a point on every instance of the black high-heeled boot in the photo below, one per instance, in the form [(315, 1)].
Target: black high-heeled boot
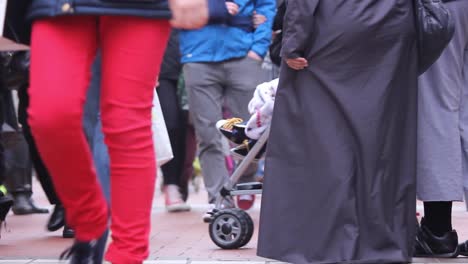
[(86, 252)]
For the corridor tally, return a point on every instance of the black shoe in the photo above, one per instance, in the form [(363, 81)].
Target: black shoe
[(23, 205), (463, 249), (5, 205), (233, 129), (85, 252), (68, 232), (429, 245), (241, 151), (37, 210), (57, 219)]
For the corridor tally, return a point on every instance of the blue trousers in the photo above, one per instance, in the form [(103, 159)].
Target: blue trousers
[(93, 131)]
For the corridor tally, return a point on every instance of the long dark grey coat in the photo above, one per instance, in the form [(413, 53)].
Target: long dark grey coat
[(340, 167)]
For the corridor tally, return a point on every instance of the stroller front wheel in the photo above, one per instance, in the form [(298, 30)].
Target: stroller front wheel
[(231, 228)]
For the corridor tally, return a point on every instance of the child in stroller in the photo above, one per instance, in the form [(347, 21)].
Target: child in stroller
[(246, 134), (232, 227)]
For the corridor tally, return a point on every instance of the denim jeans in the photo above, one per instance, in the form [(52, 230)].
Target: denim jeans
[(93, 131)]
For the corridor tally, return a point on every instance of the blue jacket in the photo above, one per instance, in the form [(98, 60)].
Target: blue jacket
[(232, 39), (142, 8)]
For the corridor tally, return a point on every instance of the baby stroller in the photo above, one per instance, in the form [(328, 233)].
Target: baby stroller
[(233, 228)]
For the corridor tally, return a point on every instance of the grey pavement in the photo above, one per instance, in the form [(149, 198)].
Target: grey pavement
[(176, 238)]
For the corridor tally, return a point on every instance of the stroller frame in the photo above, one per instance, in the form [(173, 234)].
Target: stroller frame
[(233, 228)]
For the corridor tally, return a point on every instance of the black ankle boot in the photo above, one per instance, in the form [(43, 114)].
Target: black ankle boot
[(57, 219), (463, 248), (80, 252), (68, 232), (85, 252), (23, 205), (429, 245)]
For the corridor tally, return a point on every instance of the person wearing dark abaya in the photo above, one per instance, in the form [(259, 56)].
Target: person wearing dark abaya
[(340, 171), (442, 141)]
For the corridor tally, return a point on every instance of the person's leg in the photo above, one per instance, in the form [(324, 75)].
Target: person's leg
[(464, 122), (5, 201), (101, 159), (172, 170), (91, 107), (190, 153), (93, 130), (205, 94), (19, 169), (57, 218), (463, 247), (440, 143), (167, 92), (132, 49), (19, 172), (240, 91), (238, 95), (438, 217), (42, 173), (62, 52)]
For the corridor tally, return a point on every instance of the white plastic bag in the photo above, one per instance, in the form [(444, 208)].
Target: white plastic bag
[(3, 4), (162, 144)]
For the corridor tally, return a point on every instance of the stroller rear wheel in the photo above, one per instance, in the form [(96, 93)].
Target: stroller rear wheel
[(231, 228)]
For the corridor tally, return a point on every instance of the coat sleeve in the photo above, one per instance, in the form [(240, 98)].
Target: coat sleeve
[(217, 12), (298, 23), (263, 34)]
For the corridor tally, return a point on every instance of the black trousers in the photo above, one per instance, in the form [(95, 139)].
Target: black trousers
[(176, 121), (41, 171), (2, 149)]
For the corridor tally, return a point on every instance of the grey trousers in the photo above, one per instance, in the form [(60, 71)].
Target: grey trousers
[(210, 86)]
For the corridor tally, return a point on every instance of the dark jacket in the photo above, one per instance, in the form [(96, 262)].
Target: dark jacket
[(171, 66), (141, 8), (16, 27)]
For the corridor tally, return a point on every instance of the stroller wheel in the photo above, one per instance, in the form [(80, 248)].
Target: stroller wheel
[(231, 228)]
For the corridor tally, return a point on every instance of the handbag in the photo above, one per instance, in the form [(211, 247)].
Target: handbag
[(276, 44), (14, 62), (275, 48), (435, 28), (162, 144), (14, 72)]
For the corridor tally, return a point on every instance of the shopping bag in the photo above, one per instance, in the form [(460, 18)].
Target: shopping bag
[(162, 144), (3, 5)]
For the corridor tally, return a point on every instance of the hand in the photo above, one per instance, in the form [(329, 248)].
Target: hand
[(191, 14), (258, 19), (297, 64), (232, 8), (254, 56)]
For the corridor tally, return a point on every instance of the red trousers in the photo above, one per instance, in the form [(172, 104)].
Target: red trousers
[(62, 51)]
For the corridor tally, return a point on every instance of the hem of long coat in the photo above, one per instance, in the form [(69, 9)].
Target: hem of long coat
[(355, 261)]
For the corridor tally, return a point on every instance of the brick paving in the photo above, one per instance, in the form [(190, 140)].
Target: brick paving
[(180, 238)]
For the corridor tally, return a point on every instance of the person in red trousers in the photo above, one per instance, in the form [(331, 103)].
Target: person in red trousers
[(131, 36)]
